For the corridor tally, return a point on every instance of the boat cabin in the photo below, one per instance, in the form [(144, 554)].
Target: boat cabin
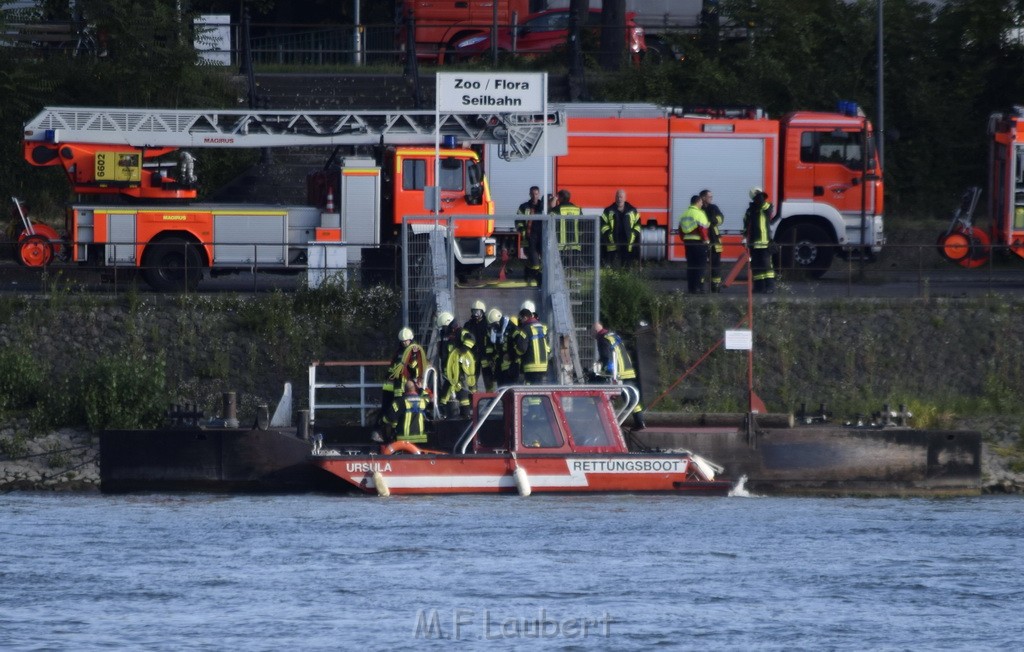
[(543, 419)]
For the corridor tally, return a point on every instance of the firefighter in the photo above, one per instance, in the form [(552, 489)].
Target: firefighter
[(620, 231), (757, 223), (408, 364), (478, 326), (693, 228), (411, 409), (531, 237), (715, 220), (616, 366), (531, 345), (447, 331), (460, 374), (568, 229), (498, 347)]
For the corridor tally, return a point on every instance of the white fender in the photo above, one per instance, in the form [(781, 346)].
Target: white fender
[(381, 484), (522, 481)]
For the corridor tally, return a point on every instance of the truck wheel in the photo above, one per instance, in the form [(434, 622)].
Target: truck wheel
[(172, 265), (807, 249)]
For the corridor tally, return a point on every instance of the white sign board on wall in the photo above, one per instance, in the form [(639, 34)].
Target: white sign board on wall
[(480, 92)]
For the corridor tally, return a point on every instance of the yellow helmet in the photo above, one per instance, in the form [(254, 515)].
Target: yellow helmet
[(478, 305), (493, 316), (468, 339), (445, 318), (405, 334)]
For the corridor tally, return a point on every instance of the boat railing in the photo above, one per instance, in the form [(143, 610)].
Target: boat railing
[(474, 427), (360, 386), (631, 396)]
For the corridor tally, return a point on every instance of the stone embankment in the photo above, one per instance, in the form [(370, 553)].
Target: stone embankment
[(64, 460)]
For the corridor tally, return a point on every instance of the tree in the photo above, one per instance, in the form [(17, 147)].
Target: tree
[(613, 34)]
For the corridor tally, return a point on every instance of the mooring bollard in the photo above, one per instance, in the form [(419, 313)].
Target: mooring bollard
[(230, 410), (302, 428)]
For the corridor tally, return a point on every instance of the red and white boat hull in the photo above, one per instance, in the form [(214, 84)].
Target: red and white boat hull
[(495, 473)]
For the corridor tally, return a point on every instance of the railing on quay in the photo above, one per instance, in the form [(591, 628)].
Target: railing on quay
[(910, 270)]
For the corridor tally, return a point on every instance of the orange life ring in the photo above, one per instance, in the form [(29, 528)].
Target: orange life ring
[(401, 447)]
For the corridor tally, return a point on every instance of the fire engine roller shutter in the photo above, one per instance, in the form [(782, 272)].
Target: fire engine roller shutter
[(239, 236), (510, 183), (120, 247), (728, 167)]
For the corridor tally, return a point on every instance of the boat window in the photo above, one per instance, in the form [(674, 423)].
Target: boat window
[(491, 434), (539, 429), (583, 414)]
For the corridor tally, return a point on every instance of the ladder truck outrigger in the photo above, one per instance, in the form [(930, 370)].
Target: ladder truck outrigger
[(151, 223)]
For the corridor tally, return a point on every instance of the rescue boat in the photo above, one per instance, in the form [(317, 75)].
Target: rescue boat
[(529, 439)]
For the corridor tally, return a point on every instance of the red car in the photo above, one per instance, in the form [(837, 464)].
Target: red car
[(544, 32)]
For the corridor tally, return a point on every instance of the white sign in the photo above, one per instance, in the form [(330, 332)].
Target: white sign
[(475, 92), (741, 339)]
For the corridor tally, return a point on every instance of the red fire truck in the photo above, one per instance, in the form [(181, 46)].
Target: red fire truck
[(971, 246), (121, 153), (819, 169)]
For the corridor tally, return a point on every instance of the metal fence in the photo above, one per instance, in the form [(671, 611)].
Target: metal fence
[(914, 270)]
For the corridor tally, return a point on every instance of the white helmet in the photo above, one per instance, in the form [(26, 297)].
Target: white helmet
[(528, 305), (478, 305), (493, 316), (445, 318), (754, 191), (405, 334)]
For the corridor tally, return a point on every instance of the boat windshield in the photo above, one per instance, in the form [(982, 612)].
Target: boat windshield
[(539, 428), (583, 414)]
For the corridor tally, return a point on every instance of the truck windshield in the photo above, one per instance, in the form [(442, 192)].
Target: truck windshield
[(451, 174), (842, 147)]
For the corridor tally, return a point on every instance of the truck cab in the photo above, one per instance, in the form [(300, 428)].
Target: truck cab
[(830, 187)]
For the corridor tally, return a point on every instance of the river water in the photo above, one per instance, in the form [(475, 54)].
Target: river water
[(318, 572)]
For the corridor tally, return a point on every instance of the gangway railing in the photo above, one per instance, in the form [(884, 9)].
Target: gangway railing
[(362, 383)]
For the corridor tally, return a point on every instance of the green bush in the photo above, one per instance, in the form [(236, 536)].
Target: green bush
[(125, 391), (22, 379), (627, 298)]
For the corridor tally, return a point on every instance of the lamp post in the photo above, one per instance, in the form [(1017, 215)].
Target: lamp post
[(357, 35), (881, 92)]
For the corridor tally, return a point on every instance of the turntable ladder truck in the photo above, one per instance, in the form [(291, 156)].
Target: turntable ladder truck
[(152, 224)]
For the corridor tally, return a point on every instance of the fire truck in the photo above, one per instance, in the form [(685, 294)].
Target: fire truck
[(819, 169), (970, 246), (150, 222)]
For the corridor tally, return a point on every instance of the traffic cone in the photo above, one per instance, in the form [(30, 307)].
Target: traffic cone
[(330, 200)]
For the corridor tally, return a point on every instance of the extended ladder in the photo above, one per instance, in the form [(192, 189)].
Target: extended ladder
[(517, 135)]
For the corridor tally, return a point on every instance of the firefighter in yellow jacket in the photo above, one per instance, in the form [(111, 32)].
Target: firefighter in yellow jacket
[(412, 414), (715, 220), (620, 231), (693, 229), (617, 366), (408, 364), (531, 345), (757, 230), (460, 374)]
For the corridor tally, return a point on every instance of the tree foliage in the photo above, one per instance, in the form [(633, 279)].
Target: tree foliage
[(947, 66), (144, 57)]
